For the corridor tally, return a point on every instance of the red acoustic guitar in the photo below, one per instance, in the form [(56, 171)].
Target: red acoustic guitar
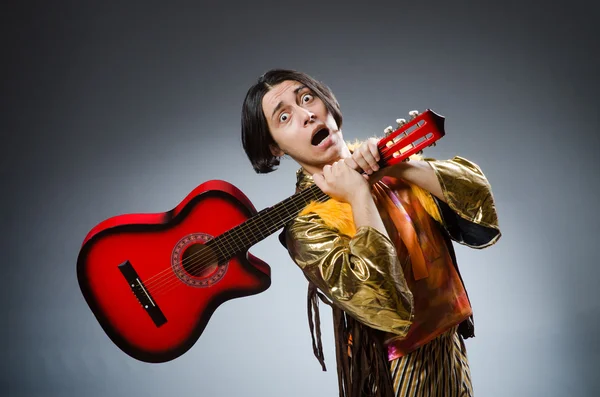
[(153, 281)]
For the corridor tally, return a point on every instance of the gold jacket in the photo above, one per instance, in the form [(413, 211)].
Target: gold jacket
[(369, 275)]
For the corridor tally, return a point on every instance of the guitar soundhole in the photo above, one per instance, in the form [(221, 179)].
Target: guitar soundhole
[(199, 260), (196, 263)]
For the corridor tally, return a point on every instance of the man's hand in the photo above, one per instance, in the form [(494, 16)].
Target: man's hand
[(365, 157), (342, 183)]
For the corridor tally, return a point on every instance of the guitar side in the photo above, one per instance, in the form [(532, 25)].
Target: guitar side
[(132, 272)]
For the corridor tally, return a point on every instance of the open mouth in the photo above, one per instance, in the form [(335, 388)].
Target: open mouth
[(320, 136)]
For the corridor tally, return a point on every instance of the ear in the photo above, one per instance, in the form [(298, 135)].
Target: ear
[(276, 151)]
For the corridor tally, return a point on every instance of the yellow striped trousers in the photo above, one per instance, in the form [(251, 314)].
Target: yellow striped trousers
[(439, 368)]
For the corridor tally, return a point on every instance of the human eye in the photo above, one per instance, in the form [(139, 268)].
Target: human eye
[(306, 98), (283, 117)]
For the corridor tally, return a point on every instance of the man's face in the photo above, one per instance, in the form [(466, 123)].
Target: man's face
[(302, 126)]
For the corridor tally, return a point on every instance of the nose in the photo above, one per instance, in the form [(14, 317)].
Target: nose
[(309, 117)]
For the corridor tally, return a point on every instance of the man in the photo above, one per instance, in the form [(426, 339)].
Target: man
[(379, 251)]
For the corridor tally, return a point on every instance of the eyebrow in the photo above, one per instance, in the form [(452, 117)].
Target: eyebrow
[(280, 104)]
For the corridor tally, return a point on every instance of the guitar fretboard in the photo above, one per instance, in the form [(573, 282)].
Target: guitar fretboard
[(264, 223)]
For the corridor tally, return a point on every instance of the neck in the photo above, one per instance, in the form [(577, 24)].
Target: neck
[(318, 168)]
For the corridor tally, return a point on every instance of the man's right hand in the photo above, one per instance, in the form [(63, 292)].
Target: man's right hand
[(342, 183)]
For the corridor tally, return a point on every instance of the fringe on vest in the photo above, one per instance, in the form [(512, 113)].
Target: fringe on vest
[(362, 363)]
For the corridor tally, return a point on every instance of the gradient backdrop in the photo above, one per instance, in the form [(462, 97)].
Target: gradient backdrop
[(121, 107)]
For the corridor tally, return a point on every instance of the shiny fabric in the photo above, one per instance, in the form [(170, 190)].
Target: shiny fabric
[(469, 196), (361, 275), (440, 298), (411, 291)]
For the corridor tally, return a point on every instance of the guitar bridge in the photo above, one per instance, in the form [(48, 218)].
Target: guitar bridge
[(142, 294)]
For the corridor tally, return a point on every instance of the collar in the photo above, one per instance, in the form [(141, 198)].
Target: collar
[(303, 179)]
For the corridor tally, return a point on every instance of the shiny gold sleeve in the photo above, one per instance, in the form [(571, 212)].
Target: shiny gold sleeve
[(469, 213), (360, 274)]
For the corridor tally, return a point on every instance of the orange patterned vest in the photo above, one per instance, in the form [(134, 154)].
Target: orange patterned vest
[(440, 298)]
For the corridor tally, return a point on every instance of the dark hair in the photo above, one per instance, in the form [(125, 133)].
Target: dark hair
[(256, 136)]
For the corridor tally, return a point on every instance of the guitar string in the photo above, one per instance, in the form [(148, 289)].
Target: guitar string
[(150, 281), (383, 151), (200, 262), (235, 247), (175, 282), (232, 248), (172, 278)]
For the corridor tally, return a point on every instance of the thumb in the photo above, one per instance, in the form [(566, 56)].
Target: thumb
[(322, 183), (319, 180)]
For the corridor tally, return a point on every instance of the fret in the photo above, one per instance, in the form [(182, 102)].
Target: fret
[(267, 221), (424, 129)]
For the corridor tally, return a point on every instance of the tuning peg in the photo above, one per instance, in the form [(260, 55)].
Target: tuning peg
[(433, 144), (388, 130), (400, 122), (413, 114)]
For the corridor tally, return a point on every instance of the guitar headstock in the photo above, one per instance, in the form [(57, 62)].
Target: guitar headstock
[(421, 131)]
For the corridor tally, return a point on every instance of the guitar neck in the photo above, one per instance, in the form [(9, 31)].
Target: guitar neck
[(411, 137), (267, 221)]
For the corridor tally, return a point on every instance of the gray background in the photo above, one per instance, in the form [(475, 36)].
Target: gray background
[(111, 108)]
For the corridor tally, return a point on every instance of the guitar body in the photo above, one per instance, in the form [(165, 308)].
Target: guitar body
[(139, 274)]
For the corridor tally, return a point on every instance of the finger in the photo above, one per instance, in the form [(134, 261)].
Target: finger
[(321, 182), (362, 163), (332, 171), (341, 164), (369, 157), (326, 172), (335, 170), (340, 167), (374, 149), (351, 163)]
